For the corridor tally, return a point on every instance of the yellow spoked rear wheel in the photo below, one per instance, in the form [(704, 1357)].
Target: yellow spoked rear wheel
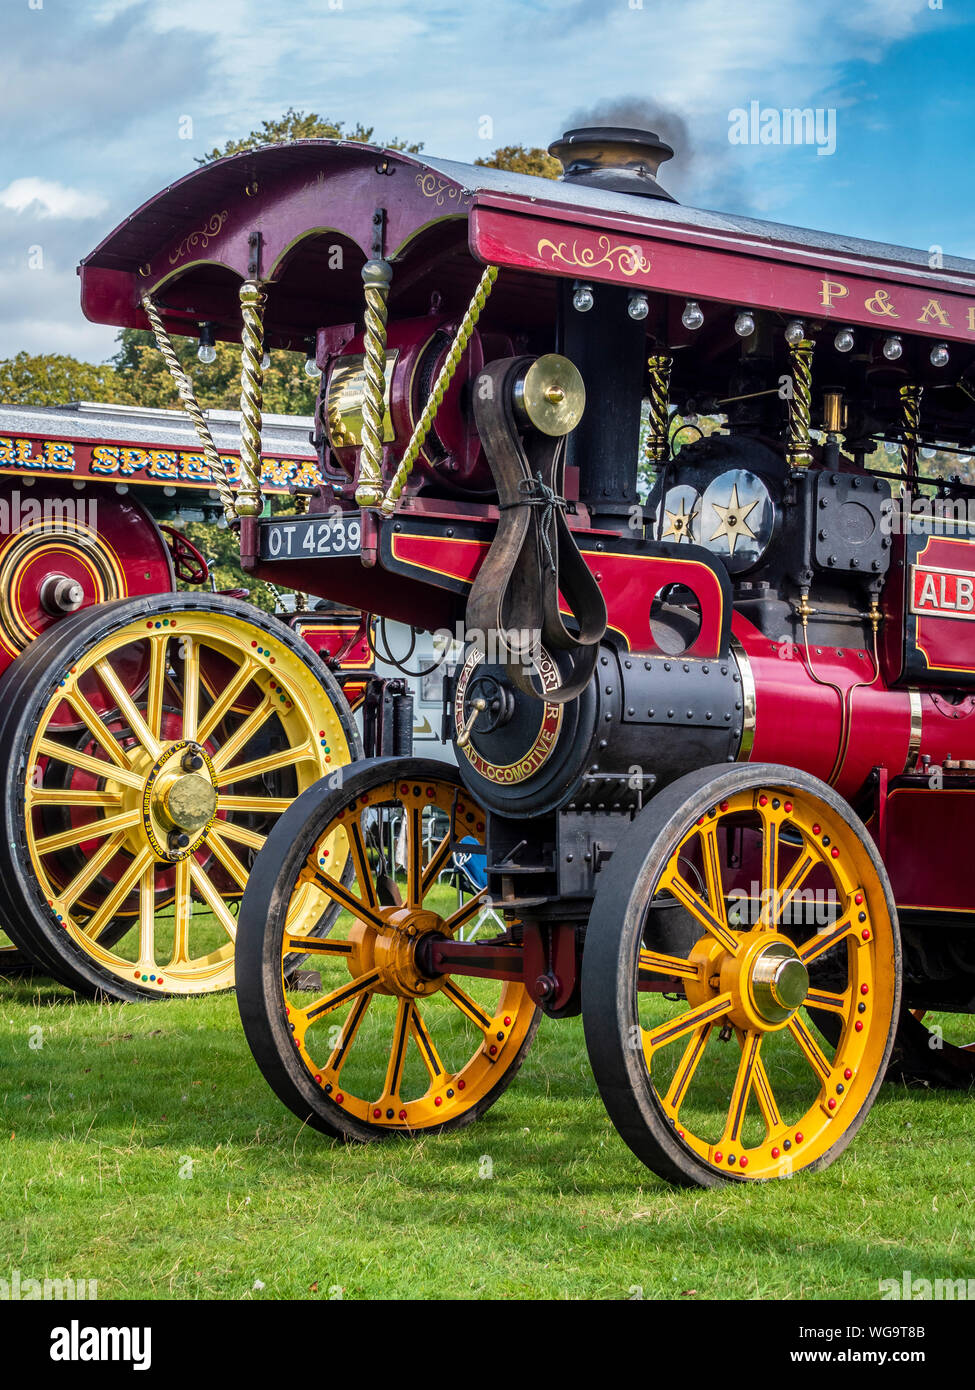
[(743, 909), (156, 743), (374, 1044)]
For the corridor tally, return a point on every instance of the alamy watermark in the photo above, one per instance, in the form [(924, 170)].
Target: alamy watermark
[(18, 1289), (20, 510), (792, 125), (927, 1290)]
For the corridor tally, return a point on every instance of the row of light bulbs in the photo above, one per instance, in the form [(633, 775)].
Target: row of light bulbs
[(207, 352), (692, 318)]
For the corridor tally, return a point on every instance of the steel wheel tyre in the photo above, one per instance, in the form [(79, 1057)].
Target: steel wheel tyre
[(13, 961), (379, 1047), (126, 835), (698, 1028)]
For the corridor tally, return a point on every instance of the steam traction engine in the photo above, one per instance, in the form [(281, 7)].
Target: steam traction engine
[(718, 740), (148, 751)]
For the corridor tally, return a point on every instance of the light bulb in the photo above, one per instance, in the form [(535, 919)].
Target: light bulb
[(928, 453), (745, 324), (893, 347), (844, 340), (312, 368), (692, 317), (795, 331), (582, 299), (266, 361), (206, 352), (638, 306), (940, 355)]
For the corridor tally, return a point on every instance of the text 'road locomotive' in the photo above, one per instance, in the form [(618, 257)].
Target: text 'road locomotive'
[(717, 743)]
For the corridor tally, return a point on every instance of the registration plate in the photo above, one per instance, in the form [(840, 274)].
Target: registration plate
[(307, 537)]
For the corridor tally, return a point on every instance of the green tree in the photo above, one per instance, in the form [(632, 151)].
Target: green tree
[(144, 377), (52, 379), (301, 125), (520, 160)]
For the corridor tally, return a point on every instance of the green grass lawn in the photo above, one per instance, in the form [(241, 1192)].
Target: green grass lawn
[(141, 1147)]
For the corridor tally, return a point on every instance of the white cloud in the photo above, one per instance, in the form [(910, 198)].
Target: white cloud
[(49, 199)]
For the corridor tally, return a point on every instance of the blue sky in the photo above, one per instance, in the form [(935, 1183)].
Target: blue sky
[(97, 91)]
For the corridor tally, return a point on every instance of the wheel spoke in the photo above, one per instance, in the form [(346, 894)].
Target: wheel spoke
[(316, 945), (785, 893), (224, 701), (770, 867), (467, 1005), (127, 707), (414, 856), (337, 997), (686, 1068), (275, 805), (435, 863), (656, 963), (367, 886), (123, 887), (230, 830), (810, 1049), (242, 735), (43, 796), (98, 767), (227, 858), (243, 772), (817, 945), (684, 1023), (347, 1037), (339, 893), (212, 898), (147, 917), (191, 687), (708, 836), (674, 882), (94, 830), (766, 1099), (157, 683), (182, 914), (744, 1079), (91, 870), (425, 1044), (397, 1054), (97, 727), (827, 1001), (463, 914)]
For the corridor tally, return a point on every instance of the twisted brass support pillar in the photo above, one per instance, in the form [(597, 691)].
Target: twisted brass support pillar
[(186, 394), (911, 420), (439, 389), (376, 276), (250, 500), (798, 449), (658, 415)]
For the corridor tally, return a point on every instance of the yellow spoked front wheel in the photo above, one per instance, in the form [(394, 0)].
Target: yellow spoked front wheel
[(373, 1043), (743, 921), (152, 745)]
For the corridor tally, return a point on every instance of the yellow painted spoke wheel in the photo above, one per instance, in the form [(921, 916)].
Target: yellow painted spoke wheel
[(741, 977), (366, 1041), (153, 744)]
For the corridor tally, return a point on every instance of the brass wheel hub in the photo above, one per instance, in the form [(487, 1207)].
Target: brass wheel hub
[(179, 800), (779, 982), (393, 952), (766, 979)]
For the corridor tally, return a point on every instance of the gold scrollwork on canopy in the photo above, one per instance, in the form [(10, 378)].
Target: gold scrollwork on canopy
[(431, 186), (201, 237), (626, 259)]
